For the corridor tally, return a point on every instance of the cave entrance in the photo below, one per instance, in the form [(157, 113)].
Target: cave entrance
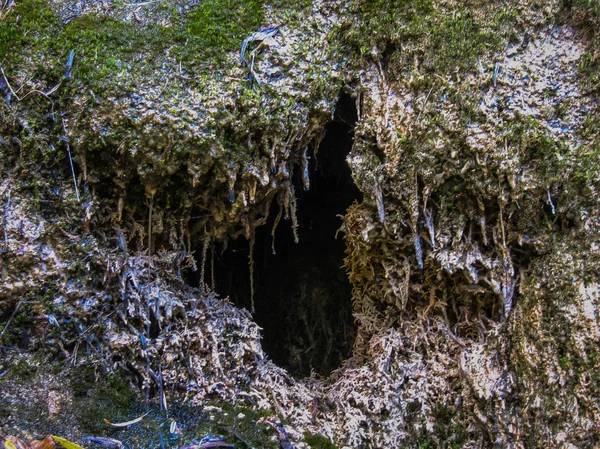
[(302, 295)]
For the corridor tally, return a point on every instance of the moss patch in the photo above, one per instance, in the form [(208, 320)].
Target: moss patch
[(319, 442)]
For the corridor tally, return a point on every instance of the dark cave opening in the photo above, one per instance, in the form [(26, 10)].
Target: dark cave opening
[(302, 295)]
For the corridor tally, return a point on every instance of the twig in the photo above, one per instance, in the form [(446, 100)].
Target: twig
[(236, 434), (34, 91), (71, 162), (6, 207), (142, 4), (8, 84), (146, 354), (11, 318)]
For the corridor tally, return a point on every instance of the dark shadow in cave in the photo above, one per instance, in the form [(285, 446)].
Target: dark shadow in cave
[(302, 294)]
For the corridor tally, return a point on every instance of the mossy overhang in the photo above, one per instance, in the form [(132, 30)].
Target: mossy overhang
[(157, 107)]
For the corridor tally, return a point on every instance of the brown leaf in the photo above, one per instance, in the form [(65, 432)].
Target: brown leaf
[(13, 443), (46, 443)]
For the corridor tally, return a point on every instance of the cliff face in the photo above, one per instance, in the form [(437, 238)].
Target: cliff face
[(138, 144)]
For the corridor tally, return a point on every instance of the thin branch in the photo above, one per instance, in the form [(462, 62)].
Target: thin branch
[(142, 4), (6, 208), (34, 91), (11, 318), (71, 162), (8, 84)]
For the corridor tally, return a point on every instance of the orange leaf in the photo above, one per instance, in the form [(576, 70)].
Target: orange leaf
[(46, 443)]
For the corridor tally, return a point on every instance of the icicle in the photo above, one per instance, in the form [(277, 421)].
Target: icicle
[(305, 173), (496, 72), (551, 203), (430, 228), (379, 201), (418, 249), (231, 177)]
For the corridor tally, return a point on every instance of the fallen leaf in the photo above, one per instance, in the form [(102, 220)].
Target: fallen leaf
[(6, 444), (66, 443), (46, 443), (14, 443), (125, 424)]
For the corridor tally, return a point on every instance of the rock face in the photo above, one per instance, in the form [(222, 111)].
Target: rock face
[(136, 140)]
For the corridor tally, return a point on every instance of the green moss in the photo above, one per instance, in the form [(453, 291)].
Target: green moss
[(23, 370), (26, 24), (105, 47), (108, 52), (98, 396), (318, 442), (221, 25), (439, 41)]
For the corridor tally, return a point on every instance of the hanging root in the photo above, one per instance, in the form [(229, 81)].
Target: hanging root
[(293, 207), (202, 268), (275, 224), (305, 170)]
